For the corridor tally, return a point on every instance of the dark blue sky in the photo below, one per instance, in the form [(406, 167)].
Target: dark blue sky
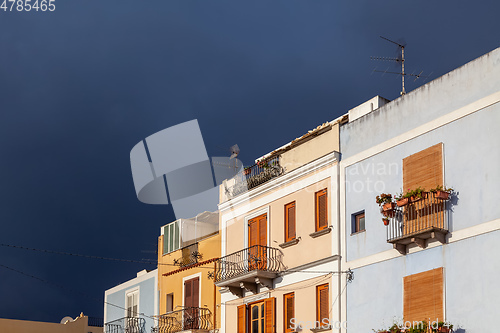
[(79, 87)]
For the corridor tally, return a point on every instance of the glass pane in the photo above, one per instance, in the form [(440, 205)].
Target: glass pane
[(262, 311), (255, 312), (362, 223), (165, 239), (255, 326), (262, 325), (176, 236)]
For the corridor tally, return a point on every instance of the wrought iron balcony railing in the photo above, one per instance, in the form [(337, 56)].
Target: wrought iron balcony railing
[(254, 258), (417, 221), (189, 318), (126, 325), (255, 175)]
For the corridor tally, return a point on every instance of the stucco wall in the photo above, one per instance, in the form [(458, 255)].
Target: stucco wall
[(209, 248), (147, 285), (471, 288), (470, 167), (27, 326)]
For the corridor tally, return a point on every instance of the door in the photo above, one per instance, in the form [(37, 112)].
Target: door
[(257, 318), (257, 243), (191, 303)]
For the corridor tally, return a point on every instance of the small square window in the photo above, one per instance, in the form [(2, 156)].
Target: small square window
[(358, 222)]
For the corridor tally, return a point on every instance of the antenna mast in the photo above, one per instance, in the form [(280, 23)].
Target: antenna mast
[(402, 60)]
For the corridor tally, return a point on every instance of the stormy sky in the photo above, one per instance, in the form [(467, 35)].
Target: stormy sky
[(80, 86)]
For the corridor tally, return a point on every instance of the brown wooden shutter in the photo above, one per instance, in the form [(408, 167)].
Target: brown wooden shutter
[(242, 318), (188, 292), (196, 292), (424, 169), (290, 221), (263, 230), (321, 210), (289, 311), (270, 315), (423, 296), (323, 299)]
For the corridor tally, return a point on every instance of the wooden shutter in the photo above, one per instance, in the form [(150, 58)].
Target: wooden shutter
[(263, 230), (290, 221), (423, 296), (242, 318), (270, 315), (289, 311), (321, 210), (424, 168), (192, 292), (322, 303)]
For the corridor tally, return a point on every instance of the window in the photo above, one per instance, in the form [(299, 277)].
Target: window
[(423, 296), (322, 304), (358, 222), (171, 239), (170, 302), (258, 317), (290, 221), (321, 204), (289, 311), (132, 304), (191, 303)]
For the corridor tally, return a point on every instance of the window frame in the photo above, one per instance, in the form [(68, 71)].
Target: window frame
[(287, 221), (317, 195), (355, 222), (318, 305), (285, 313), (134, 293)]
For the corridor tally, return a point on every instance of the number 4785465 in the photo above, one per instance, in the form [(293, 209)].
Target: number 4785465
[(28, 5)]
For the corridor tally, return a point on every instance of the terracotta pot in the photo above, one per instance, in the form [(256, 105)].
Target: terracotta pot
[(403, 202), (442, 195), (247, 171), (386, 221), (444, 329), (415, 199), (388, 206), (389, 213)]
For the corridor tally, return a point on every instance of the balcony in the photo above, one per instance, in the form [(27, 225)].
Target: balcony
[(189, 319), (249, 269), (254, 176), (417, 222), (126, 325)]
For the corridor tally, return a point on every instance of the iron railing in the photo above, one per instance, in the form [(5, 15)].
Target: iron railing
[(420, 215), (189, 318), (95, 322), (255, 175), (126, 325), (256, 257)]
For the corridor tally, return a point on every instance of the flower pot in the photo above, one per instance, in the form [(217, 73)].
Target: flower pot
[(388, 206), (389, 213), (444, 329), (442, 195), (246, 172), (403, 202), (386, 221), (415, 198)]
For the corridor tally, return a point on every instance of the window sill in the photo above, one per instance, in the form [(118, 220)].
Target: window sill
[(321, 329), (321, 232), (358, 232), (289, 243)]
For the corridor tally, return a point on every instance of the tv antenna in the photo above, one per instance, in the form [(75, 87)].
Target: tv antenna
[(401, 59)]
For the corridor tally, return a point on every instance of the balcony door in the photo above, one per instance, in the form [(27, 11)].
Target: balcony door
[(257, 243), (191, 303)]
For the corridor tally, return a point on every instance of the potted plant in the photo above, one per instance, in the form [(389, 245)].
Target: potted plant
[(385, 201), (395, 328), (263, 164), (419, 328), (442, 193), (247, 171), (418, 194), (402, 199), (386, 221)]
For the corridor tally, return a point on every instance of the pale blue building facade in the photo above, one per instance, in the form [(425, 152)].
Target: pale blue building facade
[(459, 113)]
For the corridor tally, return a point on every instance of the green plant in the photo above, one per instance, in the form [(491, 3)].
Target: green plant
[(421, 327), (417, 193), (383, 198), (441, 188), (395, 328), (441, 324)]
